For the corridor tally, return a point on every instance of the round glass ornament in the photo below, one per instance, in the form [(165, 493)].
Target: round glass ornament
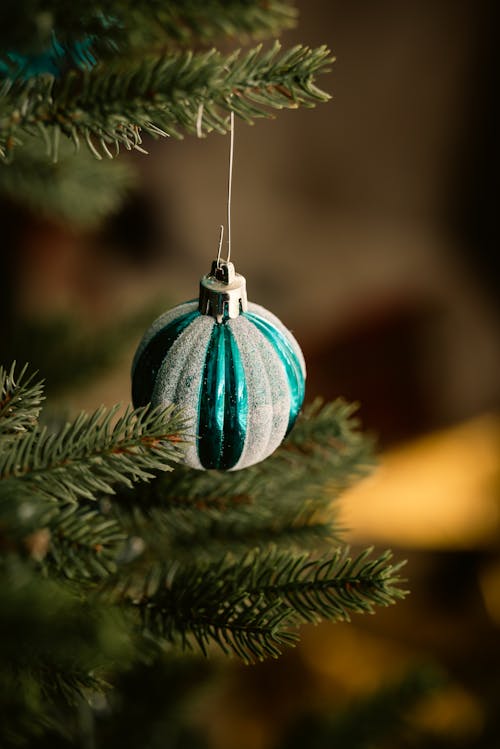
[(232, 366)]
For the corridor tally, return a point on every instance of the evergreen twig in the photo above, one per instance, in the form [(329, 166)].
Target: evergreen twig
[(227, 603), (84, 543), (323, 455), (90, 455), (109, 107), (76, 189), (128, 22), (20, 401)]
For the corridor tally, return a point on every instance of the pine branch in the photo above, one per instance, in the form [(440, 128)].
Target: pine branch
[(178, 533), (28, 27), (75, 190), (327, 441), (66, 354), (109, 107), (194, 607), (90, 455), (20, 402), (84, 543), (324, 454), (248, 606), (330, 589), (192, 20), (54, 647), (285, 501)]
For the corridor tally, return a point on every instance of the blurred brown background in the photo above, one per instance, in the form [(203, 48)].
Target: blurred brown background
[(369, 226)]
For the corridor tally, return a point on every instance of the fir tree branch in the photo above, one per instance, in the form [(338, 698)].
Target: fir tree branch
[(283, 501), (54, 647), (195, 607), (20, 402), (66, 354), (90, 455), (330, 588), (28, 27), (179, 533), (324, 454), (227, 601), (84, 543), (75, 190), (109, 107), (327, 439), (192, 20)]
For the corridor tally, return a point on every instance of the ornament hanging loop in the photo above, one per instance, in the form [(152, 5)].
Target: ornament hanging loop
[(221, 237), (223, 293)]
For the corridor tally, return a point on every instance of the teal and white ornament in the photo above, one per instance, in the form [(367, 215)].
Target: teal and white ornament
[(232, 366)]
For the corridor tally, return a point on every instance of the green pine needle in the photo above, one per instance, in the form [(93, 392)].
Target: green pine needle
[(84, 543), (111, 106), (77, 189), (331, 588), (212, 558), (20, 401), (250, 606), (90, 455), (27, 27)]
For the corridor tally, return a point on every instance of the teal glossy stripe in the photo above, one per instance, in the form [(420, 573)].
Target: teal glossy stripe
[(223, 404), (291, 363), (151, 359), (236, 416)]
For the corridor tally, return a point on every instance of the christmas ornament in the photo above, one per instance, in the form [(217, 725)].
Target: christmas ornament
[(231, 365)]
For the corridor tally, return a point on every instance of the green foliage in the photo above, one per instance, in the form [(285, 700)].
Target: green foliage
[(116, 73), (128, 23), (68, 355), (54, 649), (161, 716), (250, 605), (285, 501), (20, 401), (42, 472), (75, 189), (93, 453), (109, 559), (200, 560), (109, 107)]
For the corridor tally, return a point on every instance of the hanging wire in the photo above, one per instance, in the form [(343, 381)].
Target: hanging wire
[(221, 237), (229, 191)]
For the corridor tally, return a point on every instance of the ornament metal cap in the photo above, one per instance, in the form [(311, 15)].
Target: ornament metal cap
[(223, 292)]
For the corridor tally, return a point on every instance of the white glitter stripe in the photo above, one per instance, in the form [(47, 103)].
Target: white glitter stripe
[(160, 322), (179, 377), (268, 393)]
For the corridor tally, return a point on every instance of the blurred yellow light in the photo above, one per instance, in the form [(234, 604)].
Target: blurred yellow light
[(441, 491), (452, 712), (353, 658)]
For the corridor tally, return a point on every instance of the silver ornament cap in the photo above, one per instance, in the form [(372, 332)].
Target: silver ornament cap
[(223, 292)]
